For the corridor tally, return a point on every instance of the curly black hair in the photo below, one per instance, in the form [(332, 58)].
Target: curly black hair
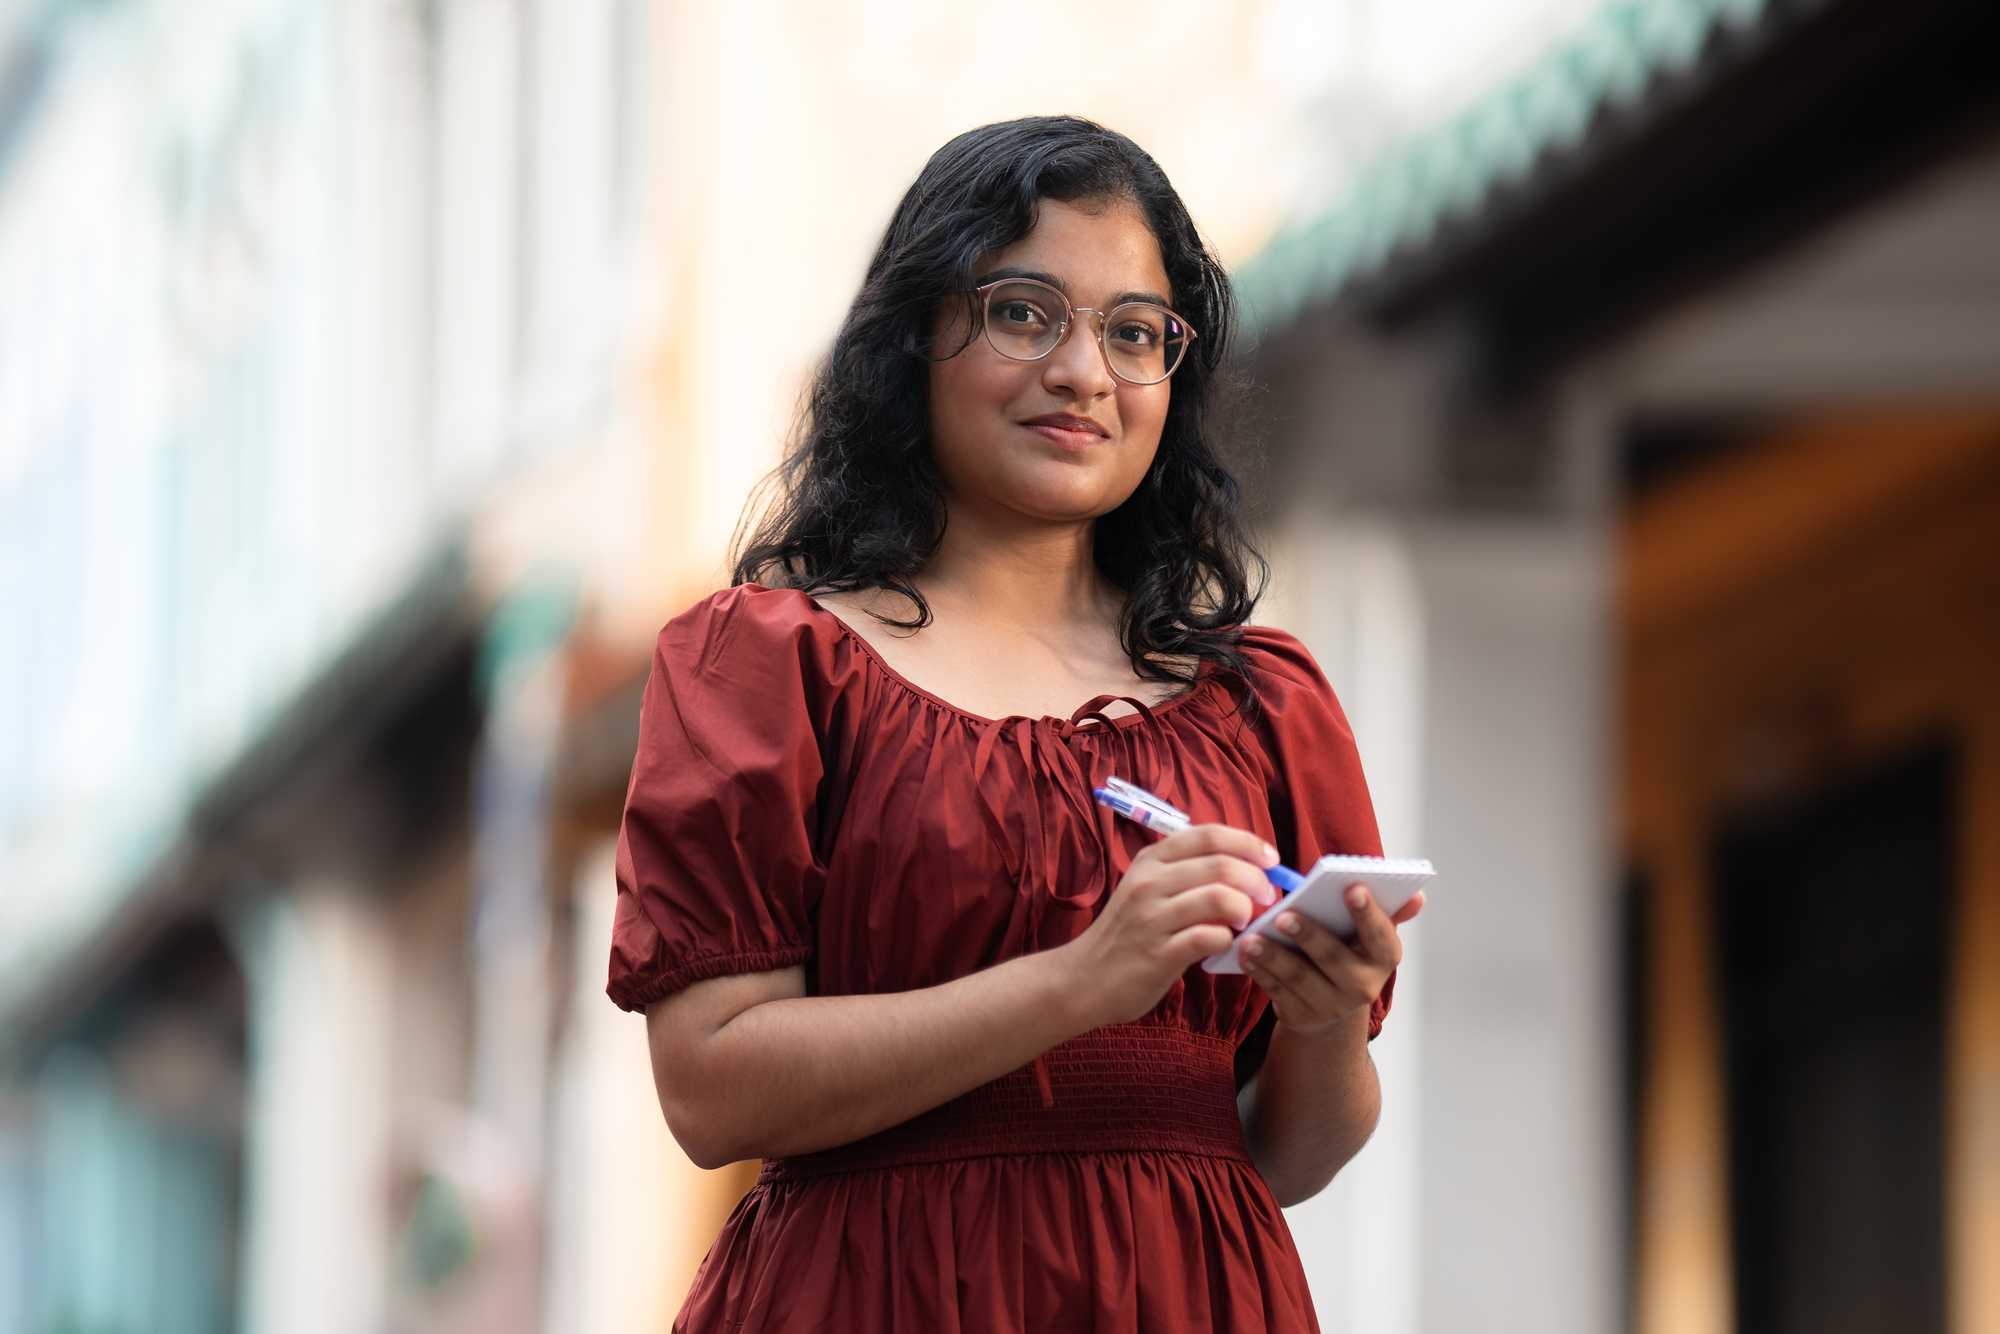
[(862, 503)]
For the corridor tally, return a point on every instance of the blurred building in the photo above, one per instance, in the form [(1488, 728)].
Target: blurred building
[(1651, 413), (375, 377), (322, 331)]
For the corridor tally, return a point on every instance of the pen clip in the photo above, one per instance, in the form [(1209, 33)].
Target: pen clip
[(1139, 796)]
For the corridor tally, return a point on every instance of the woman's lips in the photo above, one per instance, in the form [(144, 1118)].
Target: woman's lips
[(1069, 437)]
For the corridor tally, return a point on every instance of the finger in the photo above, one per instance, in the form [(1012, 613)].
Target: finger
[(1332, 954), (1256, 956), (1219, 868), (1344, 972), (1296, 987), (1198, 942), (1208, 839), (1207, 903), (1281, 997), (1408, 912), (1284, 963), (1375, 936)]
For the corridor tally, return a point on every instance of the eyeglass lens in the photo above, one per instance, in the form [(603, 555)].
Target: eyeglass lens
[(1142, 342)]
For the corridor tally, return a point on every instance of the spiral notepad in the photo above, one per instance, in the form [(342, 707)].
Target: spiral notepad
[(1323, 898)]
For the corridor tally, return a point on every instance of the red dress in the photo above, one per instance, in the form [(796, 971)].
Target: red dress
[(795, 801)]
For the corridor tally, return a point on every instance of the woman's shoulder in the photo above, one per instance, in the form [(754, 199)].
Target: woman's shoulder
[(1299, 704), (1279, 654), (745, 622)]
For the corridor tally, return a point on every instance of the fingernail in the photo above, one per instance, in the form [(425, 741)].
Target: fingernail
[(1253, 947), (1270, 855), (1357, 898), (1288, 923)]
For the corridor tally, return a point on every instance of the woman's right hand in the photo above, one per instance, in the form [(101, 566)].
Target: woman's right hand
[(1182, 899)]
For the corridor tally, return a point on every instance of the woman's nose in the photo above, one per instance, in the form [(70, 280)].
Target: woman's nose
[(1077, 364)]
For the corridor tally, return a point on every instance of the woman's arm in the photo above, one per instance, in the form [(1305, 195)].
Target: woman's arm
[(1312, 1106), (1317, 1099), (749, 1066)]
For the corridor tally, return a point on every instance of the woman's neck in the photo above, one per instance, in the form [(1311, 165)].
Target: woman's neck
[(1027, 578)]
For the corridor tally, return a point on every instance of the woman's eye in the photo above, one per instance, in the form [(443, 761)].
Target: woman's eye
[(1138, 335), (1021, 313)]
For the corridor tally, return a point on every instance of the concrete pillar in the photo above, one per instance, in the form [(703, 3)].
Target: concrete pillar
[(1520, 1200), (316, 1226), (1471, 661), (1348, 590), (629, 1216)]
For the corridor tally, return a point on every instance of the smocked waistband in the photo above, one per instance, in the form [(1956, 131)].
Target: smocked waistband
[(1126, 1088)]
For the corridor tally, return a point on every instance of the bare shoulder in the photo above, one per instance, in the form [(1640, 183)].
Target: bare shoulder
[(860, 610)]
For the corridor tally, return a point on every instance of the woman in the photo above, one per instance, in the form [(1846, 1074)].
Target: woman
[(883, 937)]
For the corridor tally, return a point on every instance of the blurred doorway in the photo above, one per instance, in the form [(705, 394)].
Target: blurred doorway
[(1831, 956), (1809, 623)]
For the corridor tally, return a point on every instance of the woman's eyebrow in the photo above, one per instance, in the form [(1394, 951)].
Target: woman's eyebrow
[(1052, 280), (1013, 272)]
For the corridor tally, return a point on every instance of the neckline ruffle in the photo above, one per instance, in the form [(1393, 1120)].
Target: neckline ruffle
[(1205, 677)]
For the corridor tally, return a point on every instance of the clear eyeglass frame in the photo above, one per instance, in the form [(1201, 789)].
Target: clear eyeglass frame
[(985, 293)]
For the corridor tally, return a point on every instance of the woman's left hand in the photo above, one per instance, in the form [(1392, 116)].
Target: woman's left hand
[(1326, 979)]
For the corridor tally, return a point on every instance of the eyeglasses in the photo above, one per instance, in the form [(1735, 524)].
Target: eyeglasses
[(1025, 320)]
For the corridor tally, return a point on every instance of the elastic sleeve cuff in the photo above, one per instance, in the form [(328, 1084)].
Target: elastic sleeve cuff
[(639, 990)]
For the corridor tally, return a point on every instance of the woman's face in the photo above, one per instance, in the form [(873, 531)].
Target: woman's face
[(998, 425)]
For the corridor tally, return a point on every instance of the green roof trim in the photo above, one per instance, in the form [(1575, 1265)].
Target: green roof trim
[(1398, 202)]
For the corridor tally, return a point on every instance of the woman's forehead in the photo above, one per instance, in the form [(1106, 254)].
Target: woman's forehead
[(1093, 252)]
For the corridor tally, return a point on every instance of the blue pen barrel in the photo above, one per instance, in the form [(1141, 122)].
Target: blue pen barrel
[(1284, 877)]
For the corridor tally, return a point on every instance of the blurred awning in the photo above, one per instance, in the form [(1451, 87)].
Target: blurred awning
[(1661, 135), (383, 723)]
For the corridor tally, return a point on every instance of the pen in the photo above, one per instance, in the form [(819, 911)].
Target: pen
[(1142, 807)]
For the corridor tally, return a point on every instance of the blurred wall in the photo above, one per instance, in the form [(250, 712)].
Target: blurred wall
[(1647, 530), (375, 378)]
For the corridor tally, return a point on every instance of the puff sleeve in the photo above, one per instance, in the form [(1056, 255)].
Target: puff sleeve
[(718, 869), (1319, 797)]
